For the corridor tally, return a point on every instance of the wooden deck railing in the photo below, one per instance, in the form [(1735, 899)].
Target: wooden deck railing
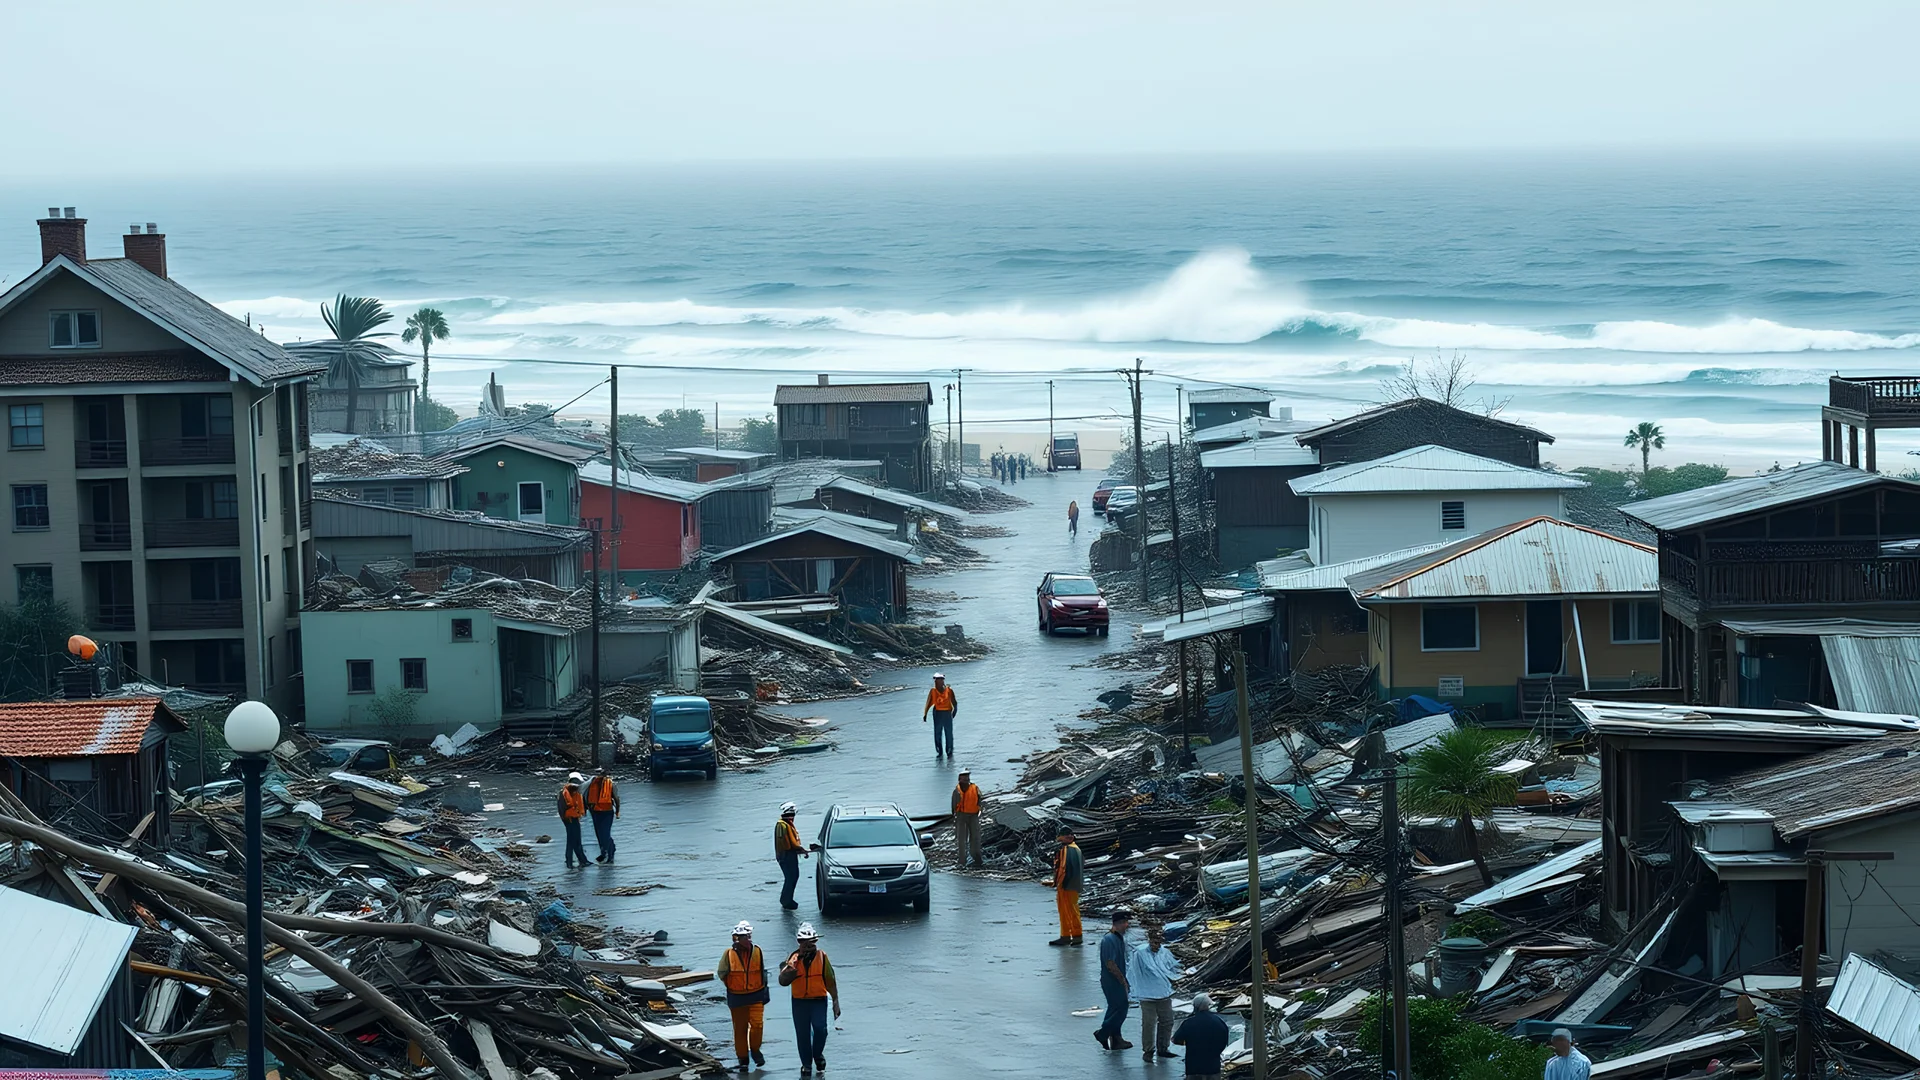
[(1796, 582), (1882, 396)]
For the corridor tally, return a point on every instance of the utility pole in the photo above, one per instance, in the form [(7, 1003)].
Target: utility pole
[(1257, 929), (613, 511), (1180, 602), (1810, 927), (1396, 929), (1049, 425), (600, 738), (949, 455), (960, 387), (1140, 483), (716, 425)]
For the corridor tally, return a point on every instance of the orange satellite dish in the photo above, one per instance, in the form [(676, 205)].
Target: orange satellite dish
[(82, 647)]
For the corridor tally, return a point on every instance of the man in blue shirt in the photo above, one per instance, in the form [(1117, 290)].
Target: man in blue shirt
[(1113, 983), (1205, 1036), (1566, 1062), (1150, 975)]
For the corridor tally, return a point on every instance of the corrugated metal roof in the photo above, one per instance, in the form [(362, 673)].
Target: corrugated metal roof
[(1874, 674), (1211, 620), (1879, 1003), (1567, 862), (1833, 787), (1359, 419), (708, 453), (1253, 427), (564, 452), (1821, 628), (1534, 558), (852, 393), (1430, 468), (898, 498), (42, 729), (1259, 454), (1229, 395), (1752, 494), (660, 487), (1805, 725), (1287, 575), (827, 527), (336, 517), (61, 962), (787, 516)]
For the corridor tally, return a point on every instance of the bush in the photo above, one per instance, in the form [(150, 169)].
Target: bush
[(395, 710), (1446, 1047), (430, 415)]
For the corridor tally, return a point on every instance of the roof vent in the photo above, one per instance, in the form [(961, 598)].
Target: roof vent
[(133, 229), (68, 212), (53, 211), (152, 228)]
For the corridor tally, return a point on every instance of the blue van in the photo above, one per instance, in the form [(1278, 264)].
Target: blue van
[(680, 736)]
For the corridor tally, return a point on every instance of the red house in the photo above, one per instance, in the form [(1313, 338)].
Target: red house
[(659, 518)]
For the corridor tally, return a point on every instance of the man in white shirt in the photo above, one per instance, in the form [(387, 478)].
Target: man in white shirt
[(1566, 1062), (1150, 975)]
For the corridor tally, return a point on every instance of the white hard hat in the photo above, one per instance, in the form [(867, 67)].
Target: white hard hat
[(574, 778), (965, 772), (743, 927), (937, 675), (805, 933), (787, 808)]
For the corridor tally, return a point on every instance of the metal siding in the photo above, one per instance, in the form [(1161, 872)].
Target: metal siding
[(1753, 494), (1261, 453), (1874, 674), (1357, 526), (62, 964), (1877, 1002), (1539, 558), (341, 519)]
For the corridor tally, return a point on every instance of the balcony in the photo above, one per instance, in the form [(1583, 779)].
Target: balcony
[(100, 454), (110, 617), (191, 450), (196, 615), (306, 513), (106, 536), (1812, 582), (194, 532), (1887, 398)]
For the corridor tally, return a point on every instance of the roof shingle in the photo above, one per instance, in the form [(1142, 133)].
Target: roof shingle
[(853, 393), (46, 729), (183, 365)]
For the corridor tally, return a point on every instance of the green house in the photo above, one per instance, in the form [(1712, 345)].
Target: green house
[(521, 478)]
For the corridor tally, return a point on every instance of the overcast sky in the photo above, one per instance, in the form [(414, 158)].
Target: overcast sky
[(138, 86)]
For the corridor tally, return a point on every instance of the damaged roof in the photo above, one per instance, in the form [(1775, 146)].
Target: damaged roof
[(913, 393), (336, 515), (1834, 787), (897, 498), (1361, 419), (1253, 427), (1429, 468), (1229, 395), (1539, 557), (572, 455), (828, 527), (660, 487), (61, 963), (360, 460), (1753, 494), (85, 728), (1295, 574), (1808, 724), (1259, 454), (1879, 1003)]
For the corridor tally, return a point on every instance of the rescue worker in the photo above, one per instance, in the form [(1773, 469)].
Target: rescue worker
[(788, 851), (603, 802), (966, 820), (743, 971), (1066, 882), (942, 703), (573, 807), (808, 971)]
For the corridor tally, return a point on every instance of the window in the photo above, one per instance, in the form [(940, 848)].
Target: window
[(262, 501), (686, 520), (1453, 515), (74, 330), (286, 572), (533, 501), (286, 489), (1636, 622), (32, 581), (413, 673), (206, 416), (266, 577), (217, 499), (1449, 629), (403, 496), (463, 629), (213, 579), (30, 513), (26, 427), (359, 676), (269, 661)]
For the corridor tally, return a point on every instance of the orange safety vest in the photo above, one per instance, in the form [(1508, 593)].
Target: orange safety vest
[(940, 698), (811, 982), (785, 837), (600, 793), (748, 979), (969, 799), (572, 806)]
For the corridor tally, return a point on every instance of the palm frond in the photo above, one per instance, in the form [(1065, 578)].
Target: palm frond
[(352, 318), (1455, 778), (427, 322)]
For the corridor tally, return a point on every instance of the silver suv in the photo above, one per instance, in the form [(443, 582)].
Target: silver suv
[(869, 852)]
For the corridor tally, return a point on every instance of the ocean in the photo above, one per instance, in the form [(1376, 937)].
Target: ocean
[(1712, 294)]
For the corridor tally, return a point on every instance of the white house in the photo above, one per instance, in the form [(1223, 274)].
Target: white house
[(1429, 494)]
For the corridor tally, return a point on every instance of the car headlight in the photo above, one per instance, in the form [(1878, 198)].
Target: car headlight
[(705, 744), (1101, 603), (916, 866), (658, 745), (836, 870)]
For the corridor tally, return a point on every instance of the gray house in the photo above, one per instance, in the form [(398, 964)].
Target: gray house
[(350, 533)]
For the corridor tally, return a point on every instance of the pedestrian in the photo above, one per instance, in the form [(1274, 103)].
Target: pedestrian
[(1113, 984), (1205, 1036), (788, 851), (1073, 518), (1067, 873), (743, 971), (573, 807), (966, 820), (1150, 975), (1566, 1062), (810, 974), (942, 703), (603, 802), (1023, 466)]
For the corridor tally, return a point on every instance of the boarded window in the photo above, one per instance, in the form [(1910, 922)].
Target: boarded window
[(1449, 628)]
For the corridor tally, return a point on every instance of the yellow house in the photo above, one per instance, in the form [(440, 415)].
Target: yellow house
[(1471, 621)]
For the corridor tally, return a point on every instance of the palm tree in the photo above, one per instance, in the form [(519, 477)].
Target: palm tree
[(1455, 778), (1648, 437), (428, 325), (353, 320)]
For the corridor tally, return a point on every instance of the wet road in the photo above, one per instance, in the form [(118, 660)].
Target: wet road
[(971, 989)]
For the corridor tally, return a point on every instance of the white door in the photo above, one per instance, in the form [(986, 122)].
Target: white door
[(533, 501)]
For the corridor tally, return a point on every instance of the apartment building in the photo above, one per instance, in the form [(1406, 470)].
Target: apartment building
[(155, 467)]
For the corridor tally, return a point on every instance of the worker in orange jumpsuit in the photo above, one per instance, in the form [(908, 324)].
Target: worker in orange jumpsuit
[(743, 971), (1067, 877), (603, 802), (573, 807)]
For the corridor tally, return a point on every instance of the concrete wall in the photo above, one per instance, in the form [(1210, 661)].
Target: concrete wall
[(1342, 527), (463, 677), (1878, 911)]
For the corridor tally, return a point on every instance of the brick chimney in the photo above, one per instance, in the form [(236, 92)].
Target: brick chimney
[(822, 378), (149, 248), (62, 234)]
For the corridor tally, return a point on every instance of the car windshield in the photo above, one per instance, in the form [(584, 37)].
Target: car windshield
[(1075, 586), (1123, 494), (1108, 484), (870, 832), (333, 755), (680, 723)]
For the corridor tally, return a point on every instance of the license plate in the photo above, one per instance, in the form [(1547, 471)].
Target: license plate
[(878, 886)]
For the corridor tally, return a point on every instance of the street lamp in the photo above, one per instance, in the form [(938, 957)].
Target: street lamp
[(253, 731)]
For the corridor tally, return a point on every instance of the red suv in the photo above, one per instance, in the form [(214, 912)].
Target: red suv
[(1100, 494), (1071, 602)]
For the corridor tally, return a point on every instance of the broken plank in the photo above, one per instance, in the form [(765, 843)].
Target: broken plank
[(107, 879), (489, 1053), (684, 977)]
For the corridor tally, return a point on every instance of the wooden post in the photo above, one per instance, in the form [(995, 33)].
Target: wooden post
[(1873, 463), (1853, 446), (1826, 446), (1256, 932)]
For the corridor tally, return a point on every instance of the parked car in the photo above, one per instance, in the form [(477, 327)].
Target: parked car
[(1121, 501), (1071, 602), (868, 851), (355, 756), (680, 736), (1101, 493), (1064, 453)]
